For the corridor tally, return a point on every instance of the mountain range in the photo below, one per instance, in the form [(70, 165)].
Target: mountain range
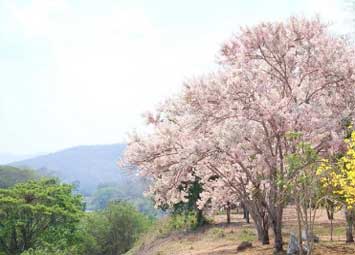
[(88, 166)]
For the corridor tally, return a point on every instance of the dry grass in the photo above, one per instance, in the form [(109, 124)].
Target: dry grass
[(221, 239)]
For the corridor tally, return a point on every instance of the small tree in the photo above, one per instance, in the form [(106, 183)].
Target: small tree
[(330, 203), (338, 176), (114, 229), (304, 187), (190, 206)]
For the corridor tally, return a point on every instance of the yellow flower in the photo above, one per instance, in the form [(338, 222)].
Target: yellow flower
[(341, 175)]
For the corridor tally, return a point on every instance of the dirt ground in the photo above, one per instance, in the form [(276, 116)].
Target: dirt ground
[(222, 239)]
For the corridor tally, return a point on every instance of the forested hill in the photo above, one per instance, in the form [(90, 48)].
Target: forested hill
[(10, 176), (89, 165)]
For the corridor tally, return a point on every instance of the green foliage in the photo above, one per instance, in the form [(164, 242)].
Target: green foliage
[(187, 221), (303, 156), (187, 214), (194, 191), (110, 192), (301, 166), (51, 250), (9, 176), (104, 194), (42, 251), (114, 229), (37, 213)]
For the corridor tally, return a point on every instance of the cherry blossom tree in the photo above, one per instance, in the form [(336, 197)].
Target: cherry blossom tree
[(233, 129), (283, 78)]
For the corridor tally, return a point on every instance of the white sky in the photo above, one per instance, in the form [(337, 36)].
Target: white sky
[(76, 72)]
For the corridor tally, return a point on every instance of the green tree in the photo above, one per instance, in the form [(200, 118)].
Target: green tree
[(109, 192), (114, 229), (190, 208), (304, 188), (37, 213)]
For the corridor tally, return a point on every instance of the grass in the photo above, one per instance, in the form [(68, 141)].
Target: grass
[(246, 235)]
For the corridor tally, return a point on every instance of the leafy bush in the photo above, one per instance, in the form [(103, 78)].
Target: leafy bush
[(190, 207), (41, 251), (188, 221), (114, 229), (52, 251)]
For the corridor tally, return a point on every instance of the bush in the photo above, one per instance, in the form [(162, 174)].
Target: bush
[(114, 229), (188, 221), (46, 251)]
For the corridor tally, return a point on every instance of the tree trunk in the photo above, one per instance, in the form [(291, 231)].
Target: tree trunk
[(299, 223), (278, 237), (244, 208), (349, 216), (200, 218), (277, 228), (330, 214), (263, 235), (245, 213), (247, 218), (261, 222), (228, 213), (331, 230)]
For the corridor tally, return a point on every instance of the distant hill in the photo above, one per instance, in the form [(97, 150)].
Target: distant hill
[(10, 176), (87, 166)]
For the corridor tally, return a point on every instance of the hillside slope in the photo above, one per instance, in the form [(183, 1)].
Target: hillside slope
[(87, 165), (220, 238), (10, 176)]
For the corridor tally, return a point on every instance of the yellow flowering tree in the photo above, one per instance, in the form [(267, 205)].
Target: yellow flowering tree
[(338, 180)]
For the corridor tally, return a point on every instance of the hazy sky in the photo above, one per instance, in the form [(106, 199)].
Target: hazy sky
[(78, 72)]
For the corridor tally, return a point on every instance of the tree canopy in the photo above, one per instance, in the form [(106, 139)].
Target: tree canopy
[(37, 212)]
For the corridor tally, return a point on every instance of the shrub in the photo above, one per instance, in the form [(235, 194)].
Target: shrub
[(188, 221), (114, 229)]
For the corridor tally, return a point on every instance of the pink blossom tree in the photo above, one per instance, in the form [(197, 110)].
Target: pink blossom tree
[(276, 79)]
